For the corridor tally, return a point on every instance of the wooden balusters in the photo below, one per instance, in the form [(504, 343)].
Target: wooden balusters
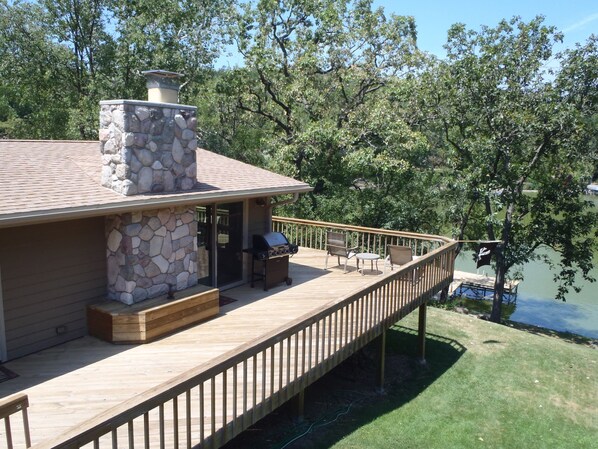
[(9, 407)]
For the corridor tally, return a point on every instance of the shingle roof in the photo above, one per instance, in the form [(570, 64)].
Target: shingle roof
[(43, 180)]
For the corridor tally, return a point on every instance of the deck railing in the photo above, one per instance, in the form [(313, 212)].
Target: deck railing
[(312, 234), (12, 406), (212, 403)]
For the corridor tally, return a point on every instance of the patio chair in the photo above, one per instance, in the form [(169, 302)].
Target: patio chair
[(336, 245), (400, 255), (397, 255)]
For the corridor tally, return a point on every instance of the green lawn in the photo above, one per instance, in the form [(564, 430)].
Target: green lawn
[(484, 385)]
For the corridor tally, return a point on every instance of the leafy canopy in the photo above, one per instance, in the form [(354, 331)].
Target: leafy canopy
[(507, 125)]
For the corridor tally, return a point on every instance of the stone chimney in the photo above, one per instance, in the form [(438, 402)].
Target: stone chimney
[(149, 146)]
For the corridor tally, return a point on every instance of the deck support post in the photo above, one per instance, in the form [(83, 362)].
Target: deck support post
[(421, 333), (381, 353), (298, 405)]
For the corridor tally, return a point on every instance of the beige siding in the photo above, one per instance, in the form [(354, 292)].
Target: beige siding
[(50, 273)]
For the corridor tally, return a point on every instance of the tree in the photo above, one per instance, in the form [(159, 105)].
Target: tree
[(181, 36), (506, 125), (80, 26), (32, 70), (224, 128), (58, 59), (578, 82), (320, 86)]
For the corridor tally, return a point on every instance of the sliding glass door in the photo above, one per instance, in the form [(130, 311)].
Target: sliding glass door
[(220, 244), (229, 253), (205, 251)]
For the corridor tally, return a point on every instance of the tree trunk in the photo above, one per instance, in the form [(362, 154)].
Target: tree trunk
[(444, 295), (499, 286), (501, 265)]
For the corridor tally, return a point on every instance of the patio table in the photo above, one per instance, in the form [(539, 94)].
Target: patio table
[(367, 256)]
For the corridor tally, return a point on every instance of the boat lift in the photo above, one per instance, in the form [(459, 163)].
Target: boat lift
[(480, 286)]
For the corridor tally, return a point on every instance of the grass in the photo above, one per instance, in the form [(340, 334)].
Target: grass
[(484, 385)]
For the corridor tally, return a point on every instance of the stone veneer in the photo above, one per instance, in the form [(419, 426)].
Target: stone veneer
[(147, 147), (151, 253)]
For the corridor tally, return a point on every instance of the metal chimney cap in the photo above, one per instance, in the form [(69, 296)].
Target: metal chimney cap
[(162, 79), (162, 86)]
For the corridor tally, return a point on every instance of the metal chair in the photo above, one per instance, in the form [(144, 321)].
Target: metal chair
[(397, 255), (400, 255), (336, 245)]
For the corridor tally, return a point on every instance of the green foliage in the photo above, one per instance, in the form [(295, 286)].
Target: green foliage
[(336, 94), (181, 36), (320, 94), (32, 68), (578, 80), (58, 59), (505, 122)]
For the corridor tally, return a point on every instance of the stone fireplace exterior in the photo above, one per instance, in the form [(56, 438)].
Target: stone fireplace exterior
[(151, 253), (149, 147)]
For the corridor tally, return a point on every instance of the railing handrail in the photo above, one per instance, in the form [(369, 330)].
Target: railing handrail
[(346, 227)]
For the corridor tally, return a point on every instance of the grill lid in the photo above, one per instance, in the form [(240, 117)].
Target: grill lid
[(271, 245), (270, 239)]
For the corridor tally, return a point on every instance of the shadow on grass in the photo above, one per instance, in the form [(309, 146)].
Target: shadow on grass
[(348, 398), (561, 335)]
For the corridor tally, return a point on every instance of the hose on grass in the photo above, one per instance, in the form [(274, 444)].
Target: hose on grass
[(314, 426)]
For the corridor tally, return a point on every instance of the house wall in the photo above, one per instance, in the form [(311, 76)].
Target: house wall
[(258, 222), (258, 219), (50, 273)]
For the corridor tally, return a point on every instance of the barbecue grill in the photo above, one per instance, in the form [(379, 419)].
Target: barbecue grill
[(271, 251)]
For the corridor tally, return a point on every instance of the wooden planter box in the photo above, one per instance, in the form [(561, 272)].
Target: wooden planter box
[(148, 320)]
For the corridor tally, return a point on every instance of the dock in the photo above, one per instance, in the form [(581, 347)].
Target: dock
[(480, 286)]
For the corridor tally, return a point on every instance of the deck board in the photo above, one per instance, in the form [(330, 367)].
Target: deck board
[(78, 380)]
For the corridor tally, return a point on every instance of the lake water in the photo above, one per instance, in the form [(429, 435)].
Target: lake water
[(535, 300)]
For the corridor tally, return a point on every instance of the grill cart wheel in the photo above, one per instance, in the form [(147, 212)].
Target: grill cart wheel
[(289, 281)]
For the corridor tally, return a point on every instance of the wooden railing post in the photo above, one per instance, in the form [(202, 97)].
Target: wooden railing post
[(10, 406), (381, 343), (421, 333)]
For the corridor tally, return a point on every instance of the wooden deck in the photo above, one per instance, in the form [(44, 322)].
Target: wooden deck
[(79, 380)]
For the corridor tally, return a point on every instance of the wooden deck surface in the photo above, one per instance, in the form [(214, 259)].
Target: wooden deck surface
[(76, 381)]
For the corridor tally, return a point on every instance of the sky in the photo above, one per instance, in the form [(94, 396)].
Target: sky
[(577, 19)]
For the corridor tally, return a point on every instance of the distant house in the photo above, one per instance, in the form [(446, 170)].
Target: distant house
[(138, 214)]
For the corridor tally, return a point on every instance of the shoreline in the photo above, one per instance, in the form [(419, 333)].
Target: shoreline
[(567, 336)]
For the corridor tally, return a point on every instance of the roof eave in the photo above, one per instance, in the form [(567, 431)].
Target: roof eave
[(141, 203)]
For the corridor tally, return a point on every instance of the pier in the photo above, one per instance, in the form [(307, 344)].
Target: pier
[(480, 286)]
